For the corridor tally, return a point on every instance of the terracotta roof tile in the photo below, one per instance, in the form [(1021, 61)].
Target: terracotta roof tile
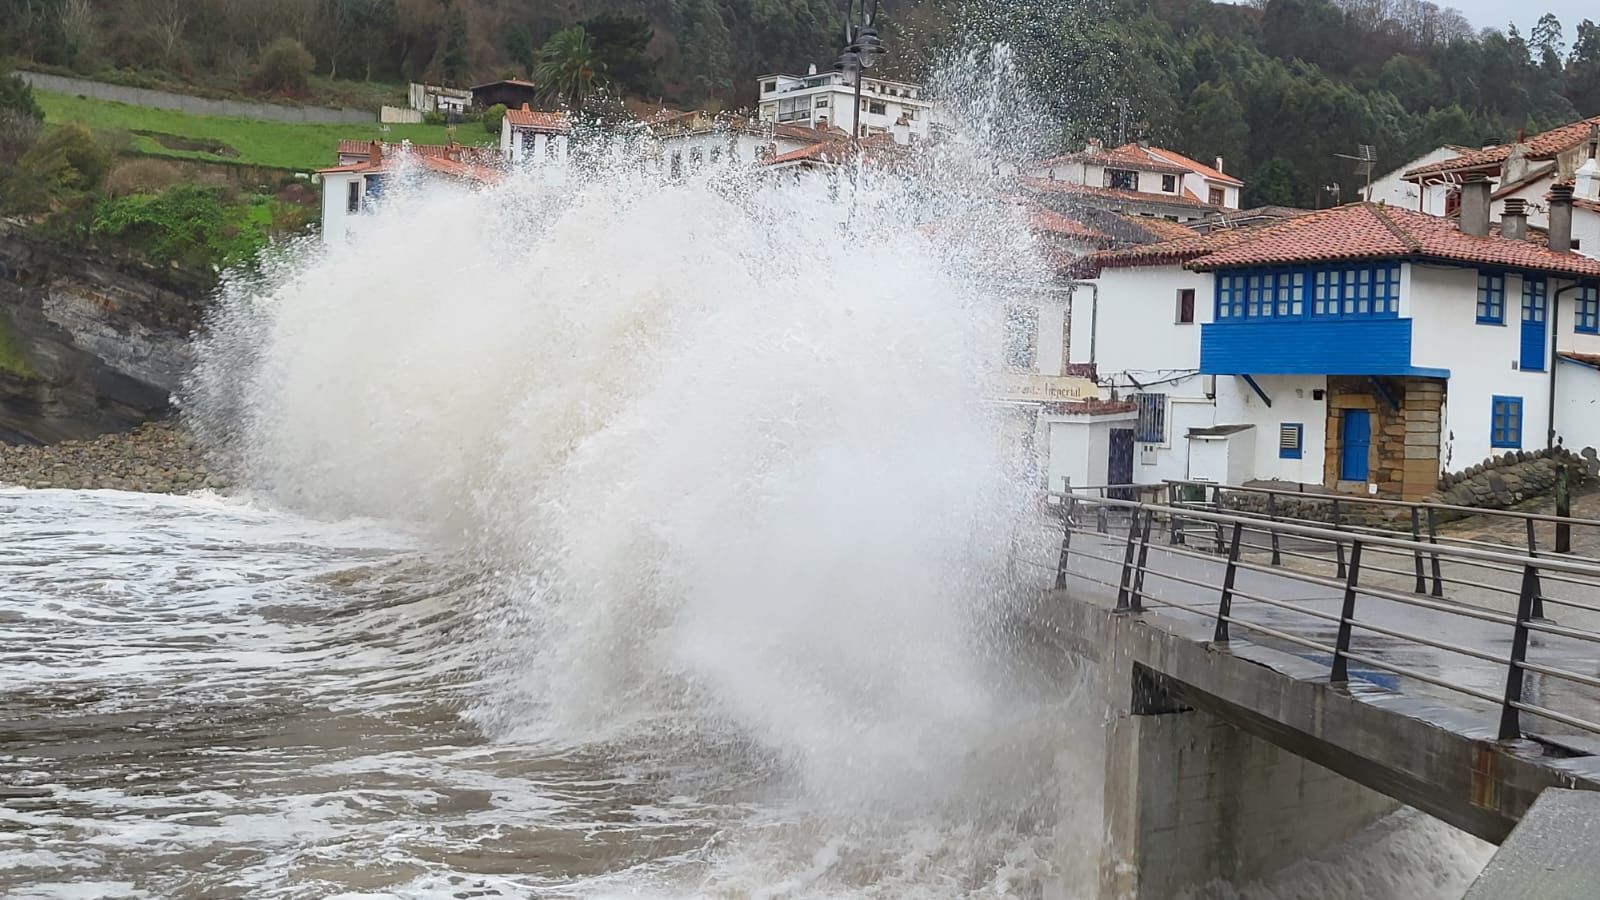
[(1546, 145), (1161, 229), (1375, 231), (1128, 156), (1197, 167), (539, 120), (1047, 185), (1588, 359), (1169, 252), (1044, 219)]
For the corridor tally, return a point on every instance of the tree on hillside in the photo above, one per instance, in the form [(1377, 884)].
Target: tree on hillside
[(1278, 183), (568, 68), (20, 118), (621, 48), (1583, 69), (519, 46), (1216, 125), (285, 68)]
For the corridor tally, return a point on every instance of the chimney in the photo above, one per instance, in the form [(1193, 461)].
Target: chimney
[(1560, 234), (812, 69), (1514, 221), (1219, 167), (1475, 205), (525, 107), (1515, 168), (375, 153)]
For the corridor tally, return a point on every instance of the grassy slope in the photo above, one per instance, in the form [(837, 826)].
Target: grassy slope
[(12, 359), (279, 145)]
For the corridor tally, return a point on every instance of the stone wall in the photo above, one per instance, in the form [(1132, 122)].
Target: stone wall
[(1504, 481), (1403, 460)]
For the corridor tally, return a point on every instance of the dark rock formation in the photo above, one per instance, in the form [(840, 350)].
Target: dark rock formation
[(87, 345)]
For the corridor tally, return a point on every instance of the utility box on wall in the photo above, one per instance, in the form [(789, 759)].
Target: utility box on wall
[(1225, 454)]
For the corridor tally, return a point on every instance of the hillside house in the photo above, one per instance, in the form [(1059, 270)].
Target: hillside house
[(535, 137), (1363, 348), (898, 109), (1523, 169), (353, 188), (1135, 179)]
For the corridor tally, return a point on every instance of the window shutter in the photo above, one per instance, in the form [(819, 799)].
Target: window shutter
[(1291, 436)]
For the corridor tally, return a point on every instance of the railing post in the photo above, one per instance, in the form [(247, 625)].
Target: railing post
[(1216, 507), (1068, 508), (1137, 598), (1225, 605), (1563, 508), (1433, 538), (1125, 584), (1510, 716), (1341, 647), (1338, 546), (1538, 592), (1100, 518), (1173, 498), (1272, 516), (1416, 554)]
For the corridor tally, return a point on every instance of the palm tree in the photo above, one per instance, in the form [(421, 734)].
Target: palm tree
[(568, 67)]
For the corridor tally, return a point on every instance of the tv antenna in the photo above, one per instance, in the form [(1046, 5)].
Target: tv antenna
[(1365, 159), (1333, 191)]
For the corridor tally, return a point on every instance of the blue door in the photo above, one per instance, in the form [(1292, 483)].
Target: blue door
[(1357, 434), (1534, 314)]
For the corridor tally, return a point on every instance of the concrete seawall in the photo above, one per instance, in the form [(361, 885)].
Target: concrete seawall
[(203, 106)]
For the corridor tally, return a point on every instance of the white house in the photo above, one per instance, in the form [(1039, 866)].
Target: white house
[(353, 188), (1365, 348), (896, 108), (426, 98), (1135, 179), (533, 137), (688, 142), (1523, 170), (1395, 189)]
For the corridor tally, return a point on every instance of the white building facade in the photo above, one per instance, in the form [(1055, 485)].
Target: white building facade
[(1307, 352), (895, 108)]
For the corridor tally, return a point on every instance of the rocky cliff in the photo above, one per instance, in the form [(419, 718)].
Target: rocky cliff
[(87, 345)]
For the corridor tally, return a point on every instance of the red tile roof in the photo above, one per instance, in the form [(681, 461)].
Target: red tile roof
[(1376, 231), (1588, 359), (449, 151), (1044, 219), (539, 120), (439, 165), (1547, 145), (1197, 167), (1066, 187), (1128, 156), (1163, 229), (1170, 252)]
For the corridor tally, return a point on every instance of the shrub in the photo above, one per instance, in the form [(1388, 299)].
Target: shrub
[(433, 117), (492, 118), (68, 158), (285, 67), (189, 226), (143, 175)]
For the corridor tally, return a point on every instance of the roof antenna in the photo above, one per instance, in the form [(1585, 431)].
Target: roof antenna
[(1366, 158)]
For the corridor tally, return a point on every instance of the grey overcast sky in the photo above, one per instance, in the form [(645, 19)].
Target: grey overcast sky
[(1496, 13)]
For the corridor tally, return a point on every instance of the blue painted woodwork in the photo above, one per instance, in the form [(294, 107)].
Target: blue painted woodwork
[(1535, 310), (1505, 422), (1356, 431), (1367, 346)]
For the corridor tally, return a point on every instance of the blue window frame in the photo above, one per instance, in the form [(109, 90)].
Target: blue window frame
[(1491, 298), (1505, 423), (1324, 291), (1588, 310), (1291, 440)]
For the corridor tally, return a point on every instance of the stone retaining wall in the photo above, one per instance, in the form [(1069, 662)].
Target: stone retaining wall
[(1505, 481)]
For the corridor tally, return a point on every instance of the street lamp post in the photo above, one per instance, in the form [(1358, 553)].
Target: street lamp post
[(863, 49)]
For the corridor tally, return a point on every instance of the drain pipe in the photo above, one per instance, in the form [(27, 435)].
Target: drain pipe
[(1555, 360)]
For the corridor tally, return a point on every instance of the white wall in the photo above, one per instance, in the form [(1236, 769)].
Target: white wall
[(1293, 400), (1393, 190), (338, 223), (1482, 359), (1577, 405), (1586, 232), (1140, 340), (1080, 448)]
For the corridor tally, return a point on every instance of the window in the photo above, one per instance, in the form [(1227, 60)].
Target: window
[(1505, 423), (1291, 439), (822, 103), (877, 108), (769, 87), (1588, 321), (353, 198), (1152, 424), (1386, 289), (1122, 179), (1022, 324), (1260, 302), (1169, 183), (1491, 298), (1326, 302), (1186, 306), (1216, 197), (1230, 296)]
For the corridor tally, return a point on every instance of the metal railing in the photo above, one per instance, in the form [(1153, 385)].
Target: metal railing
[(1502, 624)]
